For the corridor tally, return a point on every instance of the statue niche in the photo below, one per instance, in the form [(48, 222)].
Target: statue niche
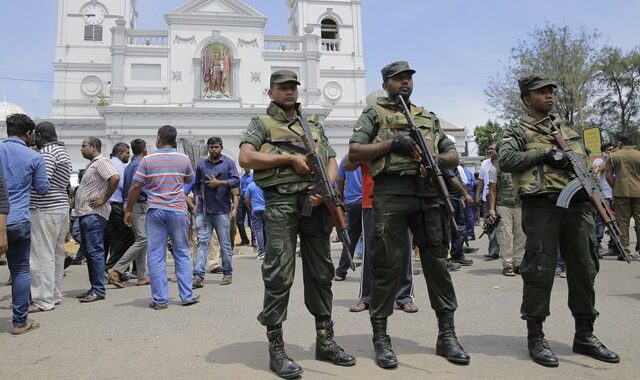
[(216, 71)]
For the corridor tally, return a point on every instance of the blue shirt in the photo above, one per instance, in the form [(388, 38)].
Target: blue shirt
[(24, 168), (352, 184), (245, 180), (218, 200), (129, 172), (254, 192), (470, 181)]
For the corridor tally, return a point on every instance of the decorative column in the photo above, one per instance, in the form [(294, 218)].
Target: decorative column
[(118, 49), (311, 46)]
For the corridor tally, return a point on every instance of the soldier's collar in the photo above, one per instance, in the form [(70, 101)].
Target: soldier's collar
[(277, 113), (385, 102)]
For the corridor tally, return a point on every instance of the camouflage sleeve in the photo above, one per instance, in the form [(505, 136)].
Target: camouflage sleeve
[(365, 129), (255, 134), (513, 156), (325, 141)]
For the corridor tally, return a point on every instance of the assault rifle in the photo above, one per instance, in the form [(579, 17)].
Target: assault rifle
[(488, 228), (323, 184), (584, 181), (429, 163)]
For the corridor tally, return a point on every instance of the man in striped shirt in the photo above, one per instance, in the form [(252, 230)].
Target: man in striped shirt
[(92, 207), (163, 175), (49, 222)]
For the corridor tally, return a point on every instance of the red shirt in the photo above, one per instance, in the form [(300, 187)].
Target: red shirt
[(367, 186)]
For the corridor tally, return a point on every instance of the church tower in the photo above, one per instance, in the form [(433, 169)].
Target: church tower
[(82, 64), (338, 24)]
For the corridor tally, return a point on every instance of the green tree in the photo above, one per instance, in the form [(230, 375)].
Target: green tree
[(566, 56), (484, 135), (619, 79)]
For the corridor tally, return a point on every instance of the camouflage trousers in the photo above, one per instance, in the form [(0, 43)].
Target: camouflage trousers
[(283, 223), (427, 221), (572, 231)]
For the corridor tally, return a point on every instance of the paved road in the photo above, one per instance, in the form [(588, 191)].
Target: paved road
[(220, 338)]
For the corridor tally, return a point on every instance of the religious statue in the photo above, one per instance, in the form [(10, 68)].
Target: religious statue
[(216, 71)]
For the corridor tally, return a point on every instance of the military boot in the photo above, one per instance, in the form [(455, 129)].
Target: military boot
[(328, 350), (385, 357), (279, 362), (584, 342), (447, 344), (539, 349)]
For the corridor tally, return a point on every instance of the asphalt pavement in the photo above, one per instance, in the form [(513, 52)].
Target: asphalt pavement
[(220, 338)]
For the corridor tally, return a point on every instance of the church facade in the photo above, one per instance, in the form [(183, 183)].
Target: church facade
[(207, 74)]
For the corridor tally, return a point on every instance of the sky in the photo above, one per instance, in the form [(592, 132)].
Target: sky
[(454, 45)]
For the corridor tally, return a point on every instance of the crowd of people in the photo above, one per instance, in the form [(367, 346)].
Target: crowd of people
[(132, 208)]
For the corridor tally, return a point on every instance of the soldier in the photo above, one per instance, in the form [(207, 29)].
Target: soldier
[(273, 152), (539, 174), (405, 198)]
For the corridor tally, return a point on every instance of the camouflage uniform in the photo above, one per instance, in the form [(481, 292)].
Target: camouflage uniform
[(547, 227), (285, 193), (402, 199)]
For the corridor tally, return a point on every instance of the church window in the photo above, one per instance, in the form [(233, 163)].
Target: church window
[(329, 35), (93, 32)]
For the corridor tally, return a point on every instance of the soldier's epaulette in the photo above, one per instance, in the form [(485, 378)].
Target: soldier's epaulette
[(313, 118)]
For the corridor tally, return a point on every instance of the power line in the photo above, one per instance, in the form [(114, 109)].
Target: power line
[(37, 80), (29, 80)]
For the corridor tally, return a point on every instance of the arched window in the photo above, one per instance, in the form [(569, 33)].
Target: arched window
[(329, 35)]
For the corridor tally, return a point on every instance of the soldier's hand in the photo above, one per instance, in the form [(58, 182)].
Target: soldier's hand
[(403, 145), (299, 164), (556, 158), (316, 200)]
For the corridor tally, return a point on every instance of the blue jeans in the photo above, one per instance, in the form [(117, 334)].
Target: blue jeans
[(457, 240), (470, 216), (92, 229), (19, 238), (160, 225), (257, 223), (77, 236), (204, 226)]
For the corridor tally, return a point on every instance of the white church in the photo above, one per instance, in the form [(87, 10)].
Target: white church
[(207, 74)]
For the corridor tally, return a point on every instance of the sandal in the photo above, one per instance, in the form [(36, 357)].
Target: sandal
[(30, 326)]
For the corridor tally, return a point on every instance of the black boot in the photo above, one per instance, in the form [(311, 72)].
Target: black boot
[(539, 349), (279, 362), (328, 350), (584, 342), (385, 357), (447, 344)]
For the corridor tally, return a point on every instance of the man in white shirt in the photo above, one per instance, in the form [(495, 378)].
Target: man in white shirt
[(481, 196)]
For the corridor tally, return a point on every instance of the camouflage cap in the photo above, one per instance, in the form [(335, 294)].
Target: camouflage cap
[(395, 68), (283, 76), (534, 82)]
